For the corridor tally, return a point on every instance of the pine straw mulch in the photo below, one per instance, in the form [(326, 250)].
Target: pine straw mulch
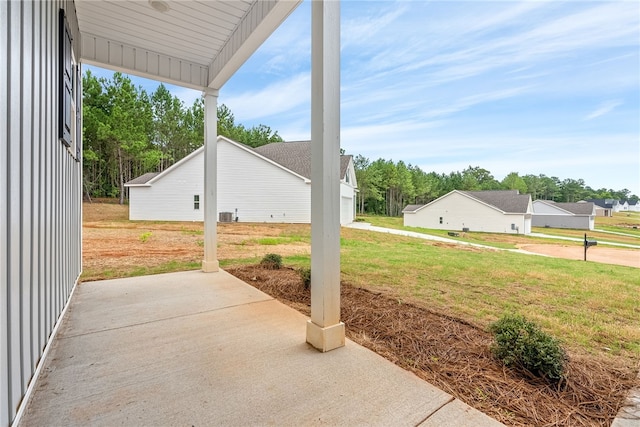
[(454, 356)]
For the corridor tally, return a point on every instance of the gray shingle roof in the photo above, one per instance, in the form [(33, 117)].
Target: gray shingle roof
[(411, 208), (582, 208), (509, 201), (602, 203), (143, 179), (296, 156)]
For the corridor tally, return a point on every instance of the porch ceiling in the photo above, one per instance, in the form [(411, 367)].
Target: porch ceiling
[(196, 44)]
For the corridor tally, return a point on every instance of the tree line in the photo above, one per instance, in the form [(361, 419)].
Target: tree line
[(128, 132), (387, 187)]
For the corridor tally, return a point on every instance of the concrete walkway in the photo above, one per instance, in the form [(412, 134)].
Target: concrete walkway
[(196, 349), (368, 226)]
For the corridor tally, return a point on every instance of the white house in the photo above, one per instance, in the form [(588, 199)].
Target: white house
[(486, 211), (550, 214), (622, 206), (270, 183), (634, 206)]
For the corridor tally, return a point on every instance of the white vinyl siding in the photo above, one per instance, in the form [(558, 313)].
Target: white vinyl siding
[(40, 194), (250, 187), (258, 189), (347, 203), (458, 211), (563, 221), (546, 215), (170, 198)]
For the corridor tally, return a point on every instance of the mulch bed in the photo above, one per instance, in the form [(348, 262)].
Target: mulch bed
[(454, 356)]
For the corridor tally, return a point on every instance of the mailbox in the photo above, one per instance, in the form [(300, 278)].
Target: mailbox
[(587, 245)]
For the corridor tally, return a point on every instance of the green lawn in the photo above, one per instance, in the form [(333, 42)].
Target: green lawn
[(591, 307)]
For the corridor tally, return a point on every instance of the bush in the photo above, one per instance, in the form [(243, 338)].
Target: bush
[(521, 344), (305, 275), (271, 261)]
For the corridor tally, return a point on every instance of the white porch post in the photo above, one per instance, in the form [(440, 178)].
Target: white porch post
[(325, 331), (210, 262)]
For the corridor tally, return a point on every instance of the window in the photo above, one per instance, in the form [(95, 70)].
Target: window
[(196, 202), (69, 92), (440, 220), (66, 83)]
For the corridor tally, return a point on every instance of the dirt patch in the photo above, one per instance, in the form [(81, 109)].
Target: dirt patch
[(606, 255), (454, 355), (113, 245)]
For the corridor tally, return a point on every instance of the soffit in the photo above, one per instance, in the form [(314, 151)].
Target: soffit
[(196, 44)]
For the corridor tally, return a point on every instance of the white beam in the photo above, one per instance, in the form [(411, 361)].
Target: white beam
[(210, 262), (325, 331), (118, 56), (262, 19)]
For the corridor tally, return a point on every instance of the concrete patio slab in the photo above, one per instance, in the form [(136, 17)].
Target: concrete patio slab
[(207, 349)]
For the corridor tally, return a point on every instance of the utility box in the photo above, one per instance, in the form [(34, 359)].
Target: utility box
[(225, 217)]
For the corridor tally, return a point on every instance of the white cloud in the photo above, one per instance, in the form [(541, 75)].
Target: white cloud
[(279, 97), (603, 109), (187, 96)]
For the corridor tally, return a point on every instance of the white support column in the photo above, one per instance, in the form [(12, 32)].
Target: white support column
[(210, 262), (325, 331)]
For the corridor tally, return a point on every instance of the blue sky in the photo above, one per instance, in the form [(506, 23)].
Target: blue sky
[(532, 87)]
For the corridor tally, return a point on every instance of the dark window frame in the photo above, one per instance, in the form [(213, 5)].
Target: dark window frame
[(66, 80)]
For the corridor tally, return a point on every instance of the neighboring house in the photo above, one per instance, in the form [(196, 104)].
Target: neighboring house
[(604, 207), (550, 214), (270, 183), (487, 211), (623, 206), (634, 206)]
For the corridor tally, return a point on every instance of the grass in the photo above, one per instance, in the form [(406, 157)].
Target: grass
[(91, 274), (588, 305), (591, 307)]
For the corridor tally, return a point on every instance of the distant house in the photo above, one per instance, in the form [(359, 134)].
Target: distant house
[(622, 206), (487, 211), (266, 184), (604, 207), (634, 206), (550, 214)]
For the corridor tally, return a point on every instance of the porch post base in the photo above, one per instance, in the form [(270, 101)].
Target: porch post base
[(210, 266), (325, 339)]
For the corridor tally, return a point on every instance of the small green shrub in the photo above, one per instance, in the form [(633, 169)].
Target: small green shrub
[(271, 261), (145, 236), (305, 275), (520, 343)]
